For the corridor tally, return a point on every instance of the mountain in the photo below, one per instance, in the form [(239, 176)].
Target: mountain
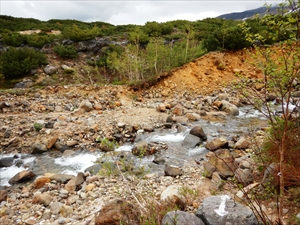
[(247, 14)]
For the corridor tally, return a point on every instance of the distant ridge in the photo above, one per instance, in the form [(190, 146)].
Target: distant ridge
[(246, 14)]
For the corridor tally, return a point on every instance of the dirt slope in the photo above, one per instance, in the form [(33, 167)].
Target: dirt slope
[(208, 74)]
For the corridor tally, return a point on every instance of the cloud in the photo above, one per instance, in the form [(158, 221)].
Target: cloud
[(125, 12)]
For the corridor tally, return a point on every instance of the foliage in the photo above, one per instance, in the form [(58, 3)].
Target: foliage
[(17, 63), (75, 33), (37, 126), (280, 69), (66, 51)]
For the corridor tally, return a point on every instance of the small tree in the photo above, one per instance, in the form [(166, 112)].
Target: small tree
[(281, 69)]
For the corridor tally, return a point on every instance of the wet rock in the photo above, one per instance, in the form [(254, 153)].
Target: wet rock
[(21, 177), (199, 132), (191, 141), (222, 209), (42, 198), (181, 218), (7, 161), (229, 108), (115, 211), (171, 170), (217, 143), (38, 148)]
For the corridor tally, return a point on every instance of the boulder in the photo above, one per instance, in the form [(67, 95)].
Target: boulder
[(38, 148), (222, 210), (229, 108), (86, 106), (217, 143), (62, 178), (242, 143), (181, 218), (49, 69), (199, 132), (116, 211), (21, 177), (7, 161), (191, 141), (41, 181), (244, 176)]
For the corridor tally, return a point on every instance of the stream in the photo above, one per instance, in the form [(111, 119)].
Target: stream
[(53, 162)]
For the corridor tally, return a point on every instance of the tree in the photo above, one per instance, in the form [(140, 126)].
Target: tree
[(280, 70)]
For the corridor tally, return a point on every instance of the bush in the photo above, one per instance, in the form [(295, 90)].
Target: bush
[(77, 34), (17, 63), (68, 51)]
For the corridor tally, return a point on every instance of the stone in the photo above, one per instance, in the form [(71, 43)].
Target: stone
[(62, 178), (222, 210), (52, 141), (41, 181), (49, 69), (115, 211), (71, 185), (222, 162), (55, 207), (3, 195), (217, 143), (242, 143), (80, 178), (42, 198), (193, 116), (178, 110), (90, 187), (21, 177), (173, 171), (181, 218), (66, 210), (191, 141), (140, 148), (86, 106), (38, 148), (172, 193), (244, 176), (161, 108), (198, 132), (229, 108), (7, 161)]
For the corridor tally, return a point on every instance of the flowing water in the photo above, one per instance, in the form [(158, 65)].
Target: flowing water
[(248, 120)]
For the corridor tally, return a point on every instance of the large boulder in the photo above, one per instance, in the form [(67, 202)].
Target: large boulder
[(222, 210), (199, 132), (181, 218), (21, 177), (191, 141), (217, 143), (229, 108), (172, 193)]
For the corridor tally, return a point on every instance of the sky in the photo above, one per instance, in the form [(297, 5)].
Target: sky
[(126, 12)]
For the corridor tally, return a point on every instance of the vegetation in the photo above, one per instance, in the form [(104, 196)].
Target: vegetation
[(67, 52), (280, 72), (17, 63)]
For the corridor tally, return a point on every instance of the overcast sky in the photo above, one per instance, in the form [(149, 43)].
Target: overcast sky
[(126, 12)]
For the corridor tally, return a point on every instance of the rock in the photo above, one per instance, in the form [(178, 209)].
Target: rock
[(38, 148), (193, 116), (94, 169), (181, 218), (172, 193), (191, 141), (223, 210), (161, 108), (71, 185), (90, 187), (178, 110), (242, 143), (3, 195), (21, 177), (7, 161), (270, 176), (55, 207), (42, 198), (217, 143), (244, 176), (220, 161), (68, 69), (229, 108), (62, 178), (49, 69), (40, 182), (171, 170), (86, 106), (199, 132), (66, 210), (52, 141), (115, 211), (72, 199), (140, 149)]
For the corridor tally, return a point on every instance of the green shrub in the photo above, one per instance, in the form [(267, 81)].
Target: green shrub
[(13, 39), (68, 51), (77, 34), (17, 63)]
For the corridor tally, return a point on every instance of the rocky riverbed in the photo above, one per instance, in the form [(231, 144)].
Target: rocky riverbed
[(58, 121)]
